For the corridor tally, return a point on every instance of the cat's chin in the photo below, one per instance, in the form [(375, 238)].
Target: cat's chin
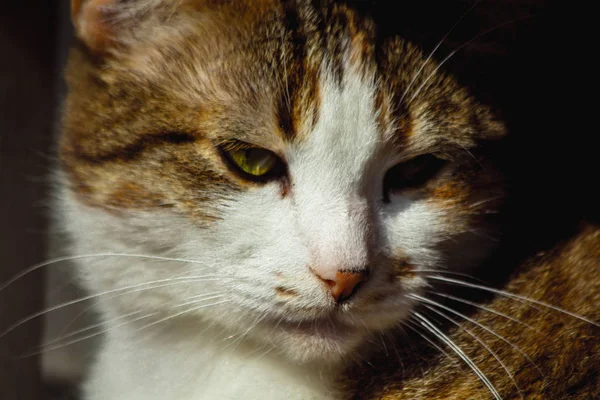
[(321, 340), (329, 339)]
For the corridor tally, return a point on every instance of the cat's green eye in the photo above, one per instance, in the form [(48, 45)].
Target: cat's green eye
[(254, 161)]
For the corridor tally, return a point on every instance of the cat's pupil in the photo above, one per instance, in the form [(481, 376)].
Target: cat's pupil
[(411, 174)]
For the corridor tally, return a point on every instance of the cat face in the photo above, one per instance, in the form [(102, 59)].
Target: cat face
[(308, 170)]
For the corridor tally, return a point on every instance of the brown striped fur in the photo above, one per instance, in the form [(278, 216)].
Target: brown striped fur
[(199, 81)]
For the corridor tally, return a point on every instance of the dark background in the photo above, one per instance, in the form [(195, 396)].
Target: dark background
[(30, 60), (532, 70)]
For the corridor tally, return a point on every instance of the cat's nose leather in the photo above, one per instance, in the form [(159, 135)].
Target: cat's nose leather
[(345, 283)]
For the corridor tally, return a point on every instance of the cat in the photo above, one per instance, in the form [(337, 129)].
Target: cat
[(276, 187)]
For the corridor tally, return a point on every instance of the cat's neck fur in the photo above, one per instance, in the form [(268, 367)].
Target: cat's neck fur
[(181, 363)]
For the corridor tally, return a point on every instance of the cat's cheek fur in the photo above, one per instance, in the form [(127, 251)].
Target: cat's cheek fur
[(191, 359)]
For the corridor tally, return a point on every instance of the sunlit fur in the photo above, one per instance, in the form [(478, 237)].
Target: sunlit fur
[(149, 105)]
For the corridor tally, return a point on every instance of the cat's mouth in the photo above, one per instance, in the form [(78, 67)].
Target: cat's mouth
[(333, 335), (324, 328), (328, 327), (325, 338)]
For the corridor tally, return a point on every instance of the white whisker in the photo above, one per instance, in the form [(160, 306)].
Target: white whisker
[(515, 296), (80, 339), (482, 343), (432, 343), (383, 344), (485, 309), (478, 203), (428, 301), (84, 256), (440, 335), (184, 312), (92, 296), (415, 351), (49, 343), (264, 353), (206, 296), (437, 46), (92, 335), (92, 306), (441, 271), (453, 52), (241, 336)]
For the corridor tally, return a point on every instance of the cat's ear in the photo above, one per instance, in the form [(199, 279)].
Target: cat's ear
[(101, 24), (94, 23)]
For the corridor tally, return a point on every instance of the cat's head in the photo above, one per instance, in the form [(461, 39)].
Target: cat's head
[(312, 169)]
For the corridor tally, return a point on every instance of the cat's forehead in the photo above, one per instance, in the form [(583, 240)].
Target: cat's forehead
[(263, 73), (257, 71)]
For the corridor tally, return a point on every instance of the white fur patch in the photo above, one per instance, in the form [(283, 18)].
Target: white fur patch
[(248, 341)]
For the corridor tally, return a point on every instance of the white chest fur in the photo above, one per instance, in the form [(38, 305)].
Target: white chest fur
[(184, 366)]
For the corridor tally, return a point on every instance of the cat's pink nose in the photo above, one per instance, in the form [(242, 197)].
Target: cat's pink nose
[(344, 284)]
